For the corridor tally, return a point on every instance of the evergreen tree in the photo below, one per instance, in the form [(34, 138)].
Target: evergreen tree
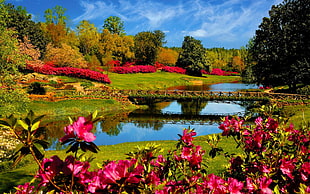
[(114, 25), (192, 57), (281, 45)]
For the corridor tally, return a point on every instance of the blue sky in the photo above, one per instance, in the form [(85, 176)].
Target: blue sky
[(217, 23)]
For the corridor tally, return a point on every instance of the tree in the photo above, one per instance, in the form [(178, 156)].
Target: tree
[(65, 56), (114, 25), (115, 47), (19, 20), (88, 37), (10, 57), (281, 45), (167, 56), (192, 57), (56, 15), (147, 46)]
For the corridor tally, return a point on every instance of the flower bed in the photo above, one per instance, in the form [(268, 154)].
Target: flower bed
[(70, 71)]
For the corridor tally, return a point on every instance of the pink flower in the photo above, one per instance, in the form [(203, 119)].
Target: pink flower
[(215, 184), (234, 186), (24, 189), (287, 167), (272, 125), (264, 185), (80, 130), (230, 126), (305, 171), (188, 136), (249, 185)]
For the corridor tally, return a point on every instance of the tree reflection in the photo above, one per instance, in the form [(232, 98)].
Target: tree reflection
[(192, 107)]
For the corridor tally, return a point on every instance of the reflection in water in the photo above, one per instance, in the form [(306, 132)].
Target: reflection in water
[(192, 107), (164, 120)]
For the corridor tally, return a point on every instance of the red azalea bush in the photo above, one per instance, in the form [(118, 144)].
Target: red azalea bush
[(217, 71), (173, 69), (135, 69), (49, 69), (275, 159)]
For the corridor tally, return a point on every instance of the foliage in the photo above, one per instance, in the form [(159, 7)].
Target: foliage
[(114, 25), (173, 69), (147, 46), (56, 15), (304, 90), (115, 47), (70, 71), (192, 57), (275, 159), (227, 59), (36, 88), (26, 48), (167, 56), (65, 56), (10, 57), (13, 100), (88, 37), (281, 45), (135, 69), (19, 20)]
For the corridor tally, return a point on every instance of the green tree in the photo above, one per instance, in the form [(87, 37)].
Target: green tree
[(281, 45), (88, 37), (114, 25), (115, 47), (56, 15), (19, 20), (193, 56), (10, 58), (147, 46)]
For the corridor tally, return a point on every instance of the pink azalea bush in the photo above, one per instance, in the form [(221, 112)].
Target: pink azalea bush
[(275, 159), (134, 69), (217, 71), (173, 69), (49, 69)]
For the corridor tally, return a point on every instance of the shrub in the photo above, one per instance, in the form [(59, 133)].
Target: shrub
[(174, 69), (275, 159), (304, 90), (70, 71), (36, 88), (135, 69), (65, 56)]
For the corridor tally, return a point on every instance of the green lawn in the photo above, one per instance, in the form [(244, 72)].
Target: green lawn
[(162, 80)]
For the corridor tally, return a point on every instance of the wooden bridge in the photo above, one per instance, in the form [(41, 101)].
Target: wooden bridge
[(135, 95)]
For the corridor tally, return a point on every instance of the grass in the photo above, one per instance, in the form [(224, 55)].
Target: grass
[(298, 115), (75, 107), (162, 80), (24, 174)]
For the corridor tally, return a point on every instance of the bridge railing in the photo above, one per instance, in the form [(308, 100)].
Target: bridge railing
[(203, 94)]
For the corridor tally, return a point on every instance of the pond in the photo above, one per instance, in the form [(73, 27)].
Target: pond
[(165, 120)]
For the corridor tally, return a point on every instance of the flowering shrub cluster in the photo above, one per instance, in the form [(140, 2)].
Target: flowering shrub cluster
[(217, 71), (70, 71), (275, 159), (135, 69), (173, 69)]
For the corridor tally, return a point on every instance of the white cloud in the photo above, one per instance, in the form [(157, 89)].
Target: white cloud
[(219, 20)]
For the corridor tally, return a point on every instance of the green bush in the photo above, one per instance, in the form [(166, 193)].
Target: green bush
[(304, 90)]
